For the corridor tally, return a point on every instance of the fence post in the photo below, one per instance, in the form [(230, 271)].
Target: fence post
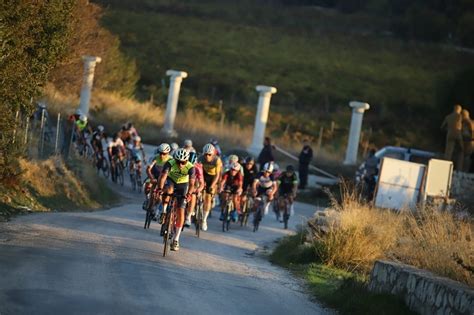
[(26, 129), (320, 141), (16, 122), (42, 133), (57, 135)]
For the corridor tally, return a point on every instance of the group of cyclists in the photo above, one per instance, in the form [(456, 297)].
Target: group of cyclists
[(183, 174)]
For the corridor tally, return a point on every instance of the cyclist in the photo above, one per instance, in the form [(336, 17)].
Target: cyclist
[(188, 145), (131, 130), (212, 166), (97, 137), (232, 160), (82, 129), (250, 173), (124, 134), (265, 184), (115, 148), (177, 176), (232, 180), (153, 170), (199, 187), (174, 147), (288, 185), (137, 153)]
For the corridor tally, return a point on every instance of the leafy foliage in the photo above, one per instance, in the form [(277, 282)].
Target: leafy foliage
[(33, 38)]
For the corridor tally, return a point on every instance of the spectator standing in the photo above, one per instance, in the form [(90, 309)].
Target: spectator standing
[(468, 139), (453, 124), (266, 155), (305, 158)]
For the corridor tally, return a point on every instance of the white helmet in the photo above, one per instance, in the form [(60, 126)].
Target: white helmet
[(137, 139), (235, 166), (174, 146), (233, 158), (188, 143), (83, 118), (181, 155), (208, 149), (268, 167), (163, 148), (276, 167), (100, 128)]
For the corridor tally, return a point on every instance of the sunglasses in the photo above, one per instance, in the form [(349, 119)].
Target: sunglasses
[(208, 154), (163, 153), (182, 162)]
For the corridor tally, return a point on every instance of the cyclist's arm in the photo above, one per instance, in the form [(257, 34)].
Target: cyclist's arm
[(240, 182), (254, 186), (223, 182), (163, 177), (192, 180), (148, 170)]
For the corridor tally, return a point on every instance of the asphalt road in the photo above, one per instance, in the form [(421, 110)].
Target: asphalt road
[(105, 263)]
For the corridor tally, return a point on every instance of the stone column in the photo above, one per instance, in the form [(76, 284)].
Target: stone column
[(89, 67), (358, 109), (265, 94), (176, 77)]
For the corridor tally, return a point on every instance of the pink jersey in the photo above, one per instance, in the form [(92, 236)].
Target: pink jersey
[(199, 175)]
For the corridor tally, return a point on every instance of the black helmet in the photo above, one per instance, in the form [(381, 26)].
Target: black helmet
[(249, 159), (290, 168)]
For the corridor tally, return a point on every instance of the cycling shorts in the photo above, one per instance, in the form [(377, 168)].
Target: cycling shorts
[(180, 190), (233, 189), (262, 191), (208, 179)]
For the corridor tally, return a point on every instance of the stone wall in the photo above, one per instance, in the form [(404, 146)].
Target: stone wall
[(462, 185), (422, 291)]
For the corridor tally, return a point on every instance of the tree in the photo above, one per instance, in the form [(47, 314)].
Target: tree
[(33, 37), (116, 72)]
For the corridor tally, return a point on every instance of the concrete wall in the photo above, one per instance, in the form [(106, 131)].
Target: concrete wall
[(422, 291)]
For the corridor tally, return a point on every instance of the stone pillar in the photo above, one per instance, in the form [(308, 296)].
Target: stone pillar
[(88, 79), (265, 94), (358, 109), (176, 77)]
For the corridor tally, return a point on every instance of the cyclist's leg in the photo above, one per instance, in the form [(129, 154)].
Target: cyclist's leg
[(181, 190), (207, 198), (191, 207)]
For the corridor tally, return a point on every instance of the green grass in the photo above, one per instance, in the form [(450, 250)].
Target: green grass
[(318, 60), (344, 291)]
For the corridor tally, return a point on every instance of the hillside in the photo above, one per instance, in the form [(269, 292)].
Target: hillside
[(318, 59)]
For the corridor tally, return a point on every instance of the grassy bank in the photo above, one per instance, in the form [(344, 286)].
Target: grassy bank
[(52, 185), (339, 289)]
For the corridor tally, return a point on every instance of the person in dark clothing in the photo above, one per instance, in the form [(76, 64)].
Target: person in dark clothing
[(305, 158), (266, 155)]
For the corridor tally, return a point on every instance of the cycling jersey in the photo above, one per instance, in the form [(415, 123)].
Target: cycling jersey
[(287, 183), (97, 141), (199, 174), (81, 125), (210, 168), (158, 164), (264, 182), (249, 176), (177, 175), (116, 143), (234, 181), (136, 152)]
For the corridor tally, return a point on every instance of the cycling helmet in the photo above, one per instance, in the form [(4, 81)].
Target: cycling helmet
[(137, 138), (208, 149), (276, 167), (83, 118), (192, 157), (188, 143), (78, 112), (129, 125), (249, 159), (163, 148), (174, 146), (290, 168), (100, 128), (268, 167), (233, 158), (235, 166), (181, 155)]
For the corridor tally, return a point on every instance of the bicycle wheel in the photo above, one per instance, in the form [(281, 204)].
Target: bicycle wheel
[(139, 181), (257, 218), (285, 215), (230, 208), (198, 218), (224, 221), (120, 175), (105, 168), (166, 236)]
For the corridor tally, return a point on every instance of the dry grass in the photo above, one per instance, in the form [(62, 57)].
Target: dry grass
[(430, 239)]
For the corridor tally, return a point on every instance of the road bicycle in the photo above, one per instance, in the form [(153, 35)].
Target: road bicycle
[(150, 207), (169, 222), (117, 170), (198, 213), (102, 164), (260, 203), (136, 176), (284, 203), (246, 209), (227, 210)]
